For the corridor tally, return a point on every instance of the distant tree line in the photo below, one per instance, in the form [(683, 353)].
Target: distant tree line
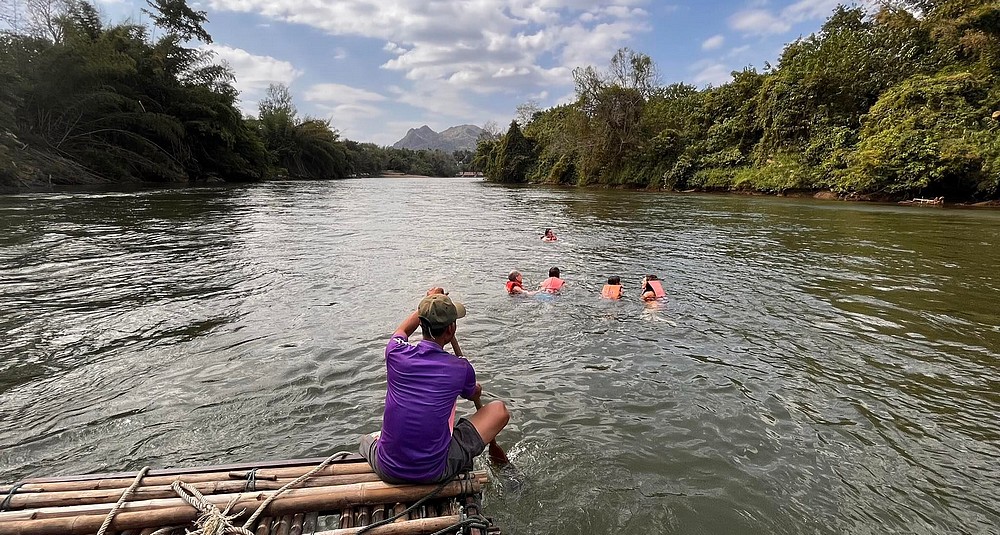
[(84, 102), (901, 102)]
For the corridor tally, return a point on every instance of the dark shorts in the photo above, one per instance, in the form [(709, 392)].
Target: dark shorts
[(466, 445)]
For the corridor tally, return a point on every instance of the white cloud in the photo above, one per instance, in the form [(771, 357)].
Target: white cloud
[(341, 94), (713, 42), (738, 51), (351, 120), (714, 74), (810, 9), (758, 21), (254, 73), (447, 50)]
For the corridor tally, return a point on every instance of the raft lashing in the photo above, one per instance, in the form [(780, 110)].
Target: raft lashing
[(339, 495)]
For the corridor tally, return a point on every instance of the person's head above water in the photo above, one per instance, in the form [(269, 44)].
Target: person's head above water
[(614, 280), (514, 276), (554, 272)]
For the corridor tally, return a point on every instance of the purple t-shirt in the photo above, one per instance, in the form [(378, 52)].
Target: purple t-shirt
[(424, 382)]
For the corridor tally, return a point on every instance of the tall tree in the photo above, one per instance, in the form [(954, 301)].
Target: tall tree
[(175, 16), (511, 157)]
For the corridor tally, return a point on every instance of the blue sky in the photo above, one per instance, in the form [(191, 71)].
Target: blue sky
[(376, 68)]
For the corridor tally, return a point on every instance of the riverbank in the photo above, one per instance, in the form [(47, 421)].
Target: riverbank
[(25, 168), (397, 174)]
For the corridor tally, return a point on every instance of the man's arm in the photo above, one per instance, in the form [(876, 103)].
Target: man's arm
[(475, 395), (409, 325)]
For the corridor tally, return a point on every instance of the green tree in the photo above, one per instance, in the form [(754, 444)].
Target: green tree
[(306, 148), (511, 157), (177, 18), (921, 139), (613, 103)]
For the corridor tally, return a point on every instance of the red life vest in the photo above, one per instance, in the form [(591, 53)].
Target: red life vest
[(611, 291), (552, 284), (513, 284)]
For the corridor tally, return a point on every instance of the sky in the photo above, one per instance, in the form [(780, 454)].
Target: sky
[(376, 68)]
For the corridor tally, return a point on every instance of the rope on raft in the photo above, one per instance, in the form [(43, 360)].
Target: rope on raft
[(472, 520), (121, 500), (10, 496), (212, 520), (215, 522)]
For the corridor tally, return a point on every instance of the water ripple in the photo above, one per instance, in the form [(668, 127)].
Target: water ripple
[(816, 368)]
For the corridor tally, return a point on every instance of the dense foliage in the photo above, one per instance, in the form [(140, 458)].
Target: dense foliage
[(884, 104), (81, 101)]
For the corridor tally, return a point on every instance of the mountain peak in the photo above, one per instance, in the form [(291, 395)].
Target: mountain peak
[(461, 137)]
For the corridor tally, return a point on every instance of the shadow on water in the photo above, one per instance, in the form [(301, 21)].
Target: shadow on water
[(815, 368)]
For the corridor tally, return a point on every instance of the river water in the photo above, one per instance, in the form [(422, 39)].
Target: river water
[(818, 367)]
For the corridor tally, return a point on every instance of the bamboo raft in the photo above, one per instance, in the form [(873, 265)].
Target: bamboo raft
[(341, 496)]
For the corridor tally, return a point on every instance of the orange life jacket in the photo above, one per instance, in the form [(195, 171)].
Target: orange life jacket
[(612, 291), (552, 284), (513, 284), (657, 289)]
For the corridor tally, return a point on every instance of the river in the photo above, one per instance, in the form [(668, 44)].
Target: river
[(818, 367)]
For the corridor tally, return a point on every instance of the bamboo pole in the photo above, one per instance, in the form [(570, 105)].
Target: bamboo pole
[(406, 527), (129, 476), (293, 501), (310, 523), (85, 497), (218, 499), (97, 482), (297, 521), (362, 517), (284, 525), (398, 510)]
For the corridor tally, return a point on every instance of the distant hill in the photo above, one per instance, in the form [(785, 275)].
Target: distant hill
[(462, 137)]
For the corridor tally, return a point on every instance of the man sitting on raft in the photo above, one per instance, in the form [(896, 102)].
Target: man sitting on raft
[(418, 442)]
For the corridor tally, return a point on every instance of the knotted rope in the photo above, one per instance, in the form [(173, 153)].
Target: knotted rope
[(212, 521), (215, 522)]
